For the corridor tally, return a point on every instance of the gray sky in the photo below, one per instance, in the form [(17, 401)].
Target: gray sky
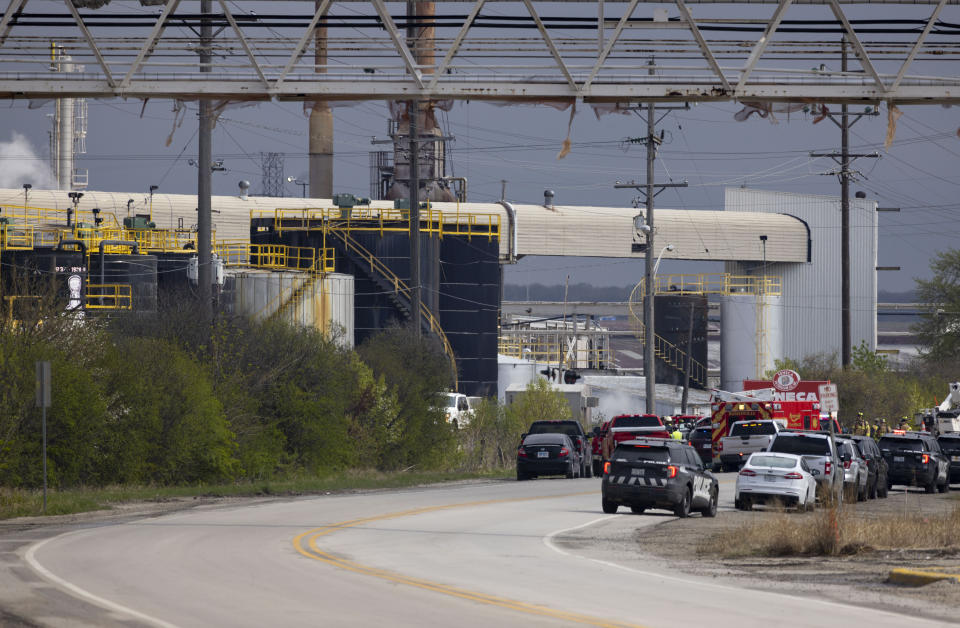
[(704, 146)]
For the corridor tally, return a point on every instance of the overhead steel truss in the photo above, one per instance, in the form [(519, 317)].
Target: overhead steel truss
[(507, 50)]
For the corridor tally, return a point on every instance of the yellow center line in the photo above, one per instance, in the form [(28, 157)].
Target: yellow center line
[(306, 545)]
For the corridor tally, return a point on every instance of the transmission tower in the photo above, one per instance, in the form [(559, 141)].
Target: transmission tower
[(271, 164)]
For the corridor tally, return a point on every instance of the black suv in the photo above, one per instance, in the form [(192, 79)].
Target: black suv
[(915, 459), (701, 439), (876, 466), (950, 446), (574, 430), (658, 473)]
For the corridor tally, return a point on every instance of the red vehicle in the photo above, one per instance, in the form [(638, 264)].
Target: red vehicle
[(787, 399), (630, 426), (599, 433)]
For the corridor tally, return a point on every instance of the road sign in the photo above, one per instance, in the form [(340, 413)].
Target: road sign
[(43, 384), (829, 399)]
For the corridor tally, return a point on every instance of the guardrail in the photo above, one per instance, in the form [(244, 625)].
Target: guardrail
[(109, 296), (385, 220), (276, 256)]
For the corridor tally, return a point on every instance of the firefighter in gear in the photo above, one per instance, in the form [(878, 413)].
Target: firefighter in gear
[(676, 434), (883, 429), (905, 424), (861, 428)]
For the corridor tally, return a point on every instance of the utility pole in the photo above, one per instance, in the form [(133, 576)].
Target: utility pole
[(651, 141), (844, 160), (413, 109), (204, 174)]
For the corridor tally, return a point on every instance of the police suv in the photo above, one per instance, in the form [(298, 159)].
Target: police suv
[(658, 473)]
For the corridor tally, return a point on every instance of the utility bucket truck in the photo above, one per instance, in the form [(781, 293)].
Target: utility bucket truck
[(948, 412)]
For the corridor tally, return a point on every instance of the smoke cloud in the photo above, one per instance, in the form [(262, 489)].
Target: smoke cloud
[(19, 164)]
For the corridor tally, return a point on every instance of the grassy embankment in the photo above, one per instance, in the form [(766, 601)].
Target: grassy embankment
[(24, 503), (836, 531)]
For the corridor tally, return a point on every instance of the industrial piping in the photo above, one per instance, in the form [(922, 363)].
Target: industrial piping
[(512, 238)]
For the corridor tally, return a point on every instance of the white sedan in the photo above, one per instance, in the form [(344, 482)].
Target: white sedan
[(775, 478)]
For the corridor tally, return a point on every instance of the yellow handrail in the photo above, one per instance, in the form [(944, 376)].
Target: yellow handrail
[(276, 256), (109, 296), (386, 220)]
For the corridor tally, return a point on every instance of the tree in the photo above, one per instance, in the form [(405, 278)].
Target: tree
[(939, 326), (540, 401)]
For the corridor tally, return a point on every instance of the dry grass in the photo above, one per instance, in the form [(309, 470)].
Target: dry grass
[(833, 531)]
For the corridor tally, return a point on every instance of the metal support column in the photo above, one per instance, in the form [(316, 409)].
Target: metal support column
[(205, 161), (413, 109)]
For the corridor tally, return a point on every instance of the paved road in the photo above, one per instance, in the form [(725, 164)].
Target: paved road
[(489, 554)]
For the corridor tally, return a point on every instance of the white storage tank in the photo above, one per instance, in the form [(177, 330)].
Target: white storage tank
[(324, 302), (751, 337)]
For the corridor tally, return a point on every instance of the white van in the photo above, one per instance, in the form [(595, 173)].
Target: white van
[(456, 408)]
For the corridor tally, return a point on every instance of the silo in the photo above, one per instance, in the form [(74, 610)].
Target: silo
[(751, 337)]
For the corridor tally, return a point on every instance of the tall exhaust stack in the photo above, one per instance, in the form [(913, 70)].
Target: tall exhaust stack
[(321, 127)]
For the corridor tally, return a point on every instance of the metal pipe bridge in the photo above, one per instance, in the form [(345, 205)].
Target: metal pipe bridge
[(508, 50)]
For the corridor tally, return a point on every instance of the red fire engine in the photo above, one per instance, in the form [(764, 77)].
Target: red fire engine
[(793, 402)]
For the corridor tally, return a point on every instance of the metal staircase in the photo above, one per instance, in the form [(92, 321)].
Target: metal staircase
[(395, 289)]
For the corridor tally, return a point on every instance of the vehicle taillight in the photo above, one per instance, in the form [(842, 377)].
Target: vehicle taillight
[(846, 464), (925, 459), (719, 445), (671, 471), (522, 453), (827, 467), (793, 476), (747, 472), (564, 451), (606, 468)]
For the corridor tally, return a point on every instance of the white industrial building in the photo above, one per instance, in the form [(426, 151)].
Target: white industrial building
[(806, 318)]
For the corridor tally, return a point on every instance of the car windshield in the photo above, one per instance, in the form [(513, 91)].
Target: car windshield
[(800, 444), (641, 453), (637, 421), (555, 428), (900, 444), (756, 427), (703, 432), (774, 462)]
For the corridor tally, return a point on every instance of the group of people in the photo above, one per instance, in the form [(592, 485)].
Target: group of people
[(863, 427)]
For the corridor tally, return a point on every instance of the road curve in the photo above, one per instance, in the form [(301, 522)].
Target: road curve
[(466, 555)]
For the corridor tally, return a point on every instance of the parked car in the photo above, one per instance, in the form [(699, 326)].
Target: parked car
[(775, 478), (819, 454), (876, 466), (626, 427), (596, 447), (574, 430), (915, 459), (745, 438), (701, 439), (547, 454), (855, 470), (658, 473), (950, 446)]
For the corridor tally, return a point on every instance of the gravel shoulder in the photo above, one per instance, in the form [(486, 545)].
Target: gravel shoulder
[(859, 579)]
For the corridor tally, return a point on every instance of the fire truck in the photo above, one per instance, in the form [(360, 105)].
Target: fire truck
[(787, 399)]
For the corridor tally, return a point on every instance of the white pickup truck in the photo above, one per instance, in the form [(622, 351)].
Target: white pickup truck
[(746, 437)]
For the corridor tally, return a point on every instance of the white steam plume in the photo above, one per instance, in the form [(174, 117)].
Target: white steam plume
[(20, 164)]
